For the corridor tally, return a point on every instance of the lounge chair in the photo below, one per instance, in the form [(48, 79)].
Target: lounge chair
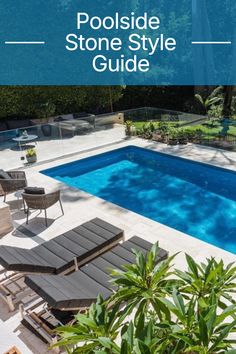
[(62, 254), (80, 289)]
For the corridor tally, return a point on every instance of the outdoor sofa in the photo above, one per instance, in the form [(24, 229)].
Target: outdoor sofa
[(10, 124), (77, 122)]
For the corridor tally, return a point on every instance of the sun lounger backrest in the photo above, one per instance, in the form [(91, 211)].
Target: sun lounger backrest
[(84, 243), (82, 287)]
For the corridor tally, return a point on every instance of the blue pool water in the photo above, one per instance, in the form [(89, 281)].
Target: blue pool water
[(195, 198)]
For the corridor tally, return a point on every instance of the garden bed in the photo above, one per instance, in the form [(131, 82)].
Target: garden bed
[(215, 132)]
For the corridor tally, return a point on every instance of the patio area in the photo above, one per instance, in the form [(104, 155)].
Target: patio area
[(80, 207), (56, 147)]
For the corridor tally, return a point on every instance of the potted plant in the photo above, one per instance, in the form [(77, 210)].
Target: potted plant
[(31, 156), (128, 127)]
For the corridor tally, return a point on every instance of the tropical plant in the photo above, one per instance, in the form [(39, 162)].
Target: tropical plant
[(211, 100), (96, 329), (158, 310), (142, 283), (215, 111), (200, 279), (197, 329)]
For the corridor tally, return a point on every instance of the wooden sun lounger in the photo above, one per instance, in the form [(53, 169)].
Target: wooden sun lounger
[(60, 255), (77, 291)]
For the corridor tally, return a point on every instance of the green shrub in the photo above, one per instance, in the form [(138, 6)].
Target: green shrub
[(173, 311)]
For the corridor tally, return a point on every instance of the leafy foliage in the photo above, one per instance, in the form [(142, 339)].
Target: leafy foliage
[(211, 100), (31, 152), (41, 101), (98, 328), (156, 309), (200, 279), (141, 284)]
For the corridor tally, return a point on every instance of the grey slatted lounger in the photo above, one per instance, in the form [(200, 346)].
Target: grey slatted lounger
[(79, 289), (63, 253)]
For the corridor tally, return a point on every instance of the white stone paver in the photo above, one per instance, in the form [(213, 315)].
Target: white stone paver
[(80, 206), (8, 341), (53, 148)]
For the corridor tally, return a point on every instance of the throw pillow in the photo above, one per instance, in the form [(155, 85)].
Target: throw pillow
[(34, 190)]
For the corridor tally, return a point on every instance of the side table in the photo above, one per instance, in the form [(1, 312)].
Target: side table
[(18, 195)]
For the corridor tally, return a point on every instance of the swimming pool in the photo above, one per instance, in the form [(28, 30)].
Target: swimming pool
[(192, 197)]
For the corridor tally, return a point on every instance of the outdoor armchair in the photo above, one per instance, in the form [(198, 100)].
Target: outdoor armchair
[(41, 202), (16, 182)]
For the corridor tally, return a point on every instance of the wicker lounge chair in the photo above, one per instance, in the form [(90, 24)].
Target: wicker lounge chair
[(62, 254), (17, 182), (66, 294), (41, 202)]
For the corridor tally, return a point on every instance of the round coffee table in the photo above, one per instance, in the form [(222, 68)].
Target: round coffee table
[(23, 140)]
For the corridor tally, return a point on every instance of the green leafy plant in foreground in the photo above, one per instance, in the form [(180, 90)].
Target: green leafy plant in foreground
[(200, 279), (142, 284), (156, 309), (97, 328)]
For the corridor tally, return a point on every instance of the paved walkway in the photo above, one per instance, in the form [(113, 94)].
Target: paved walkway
[(53, 148)]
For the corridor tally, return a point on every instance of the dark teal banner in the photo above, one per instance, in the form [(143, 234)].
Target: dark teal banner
[(85, 42)]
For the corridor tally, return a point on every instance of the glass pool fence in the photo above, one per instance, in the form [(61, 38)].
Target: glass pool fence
[(65, 135)]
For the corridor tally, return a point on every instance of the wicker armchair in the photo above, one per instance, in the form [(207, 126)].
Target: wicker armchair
[(41, 202), (18, 181)]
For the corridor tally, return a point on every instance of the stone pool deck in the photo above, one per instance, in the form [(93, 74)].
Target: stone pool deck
[(54, 147), (80, 206)]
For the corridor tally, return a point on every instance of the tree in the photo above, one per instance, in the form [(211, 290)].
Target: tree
[(183, 314)]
